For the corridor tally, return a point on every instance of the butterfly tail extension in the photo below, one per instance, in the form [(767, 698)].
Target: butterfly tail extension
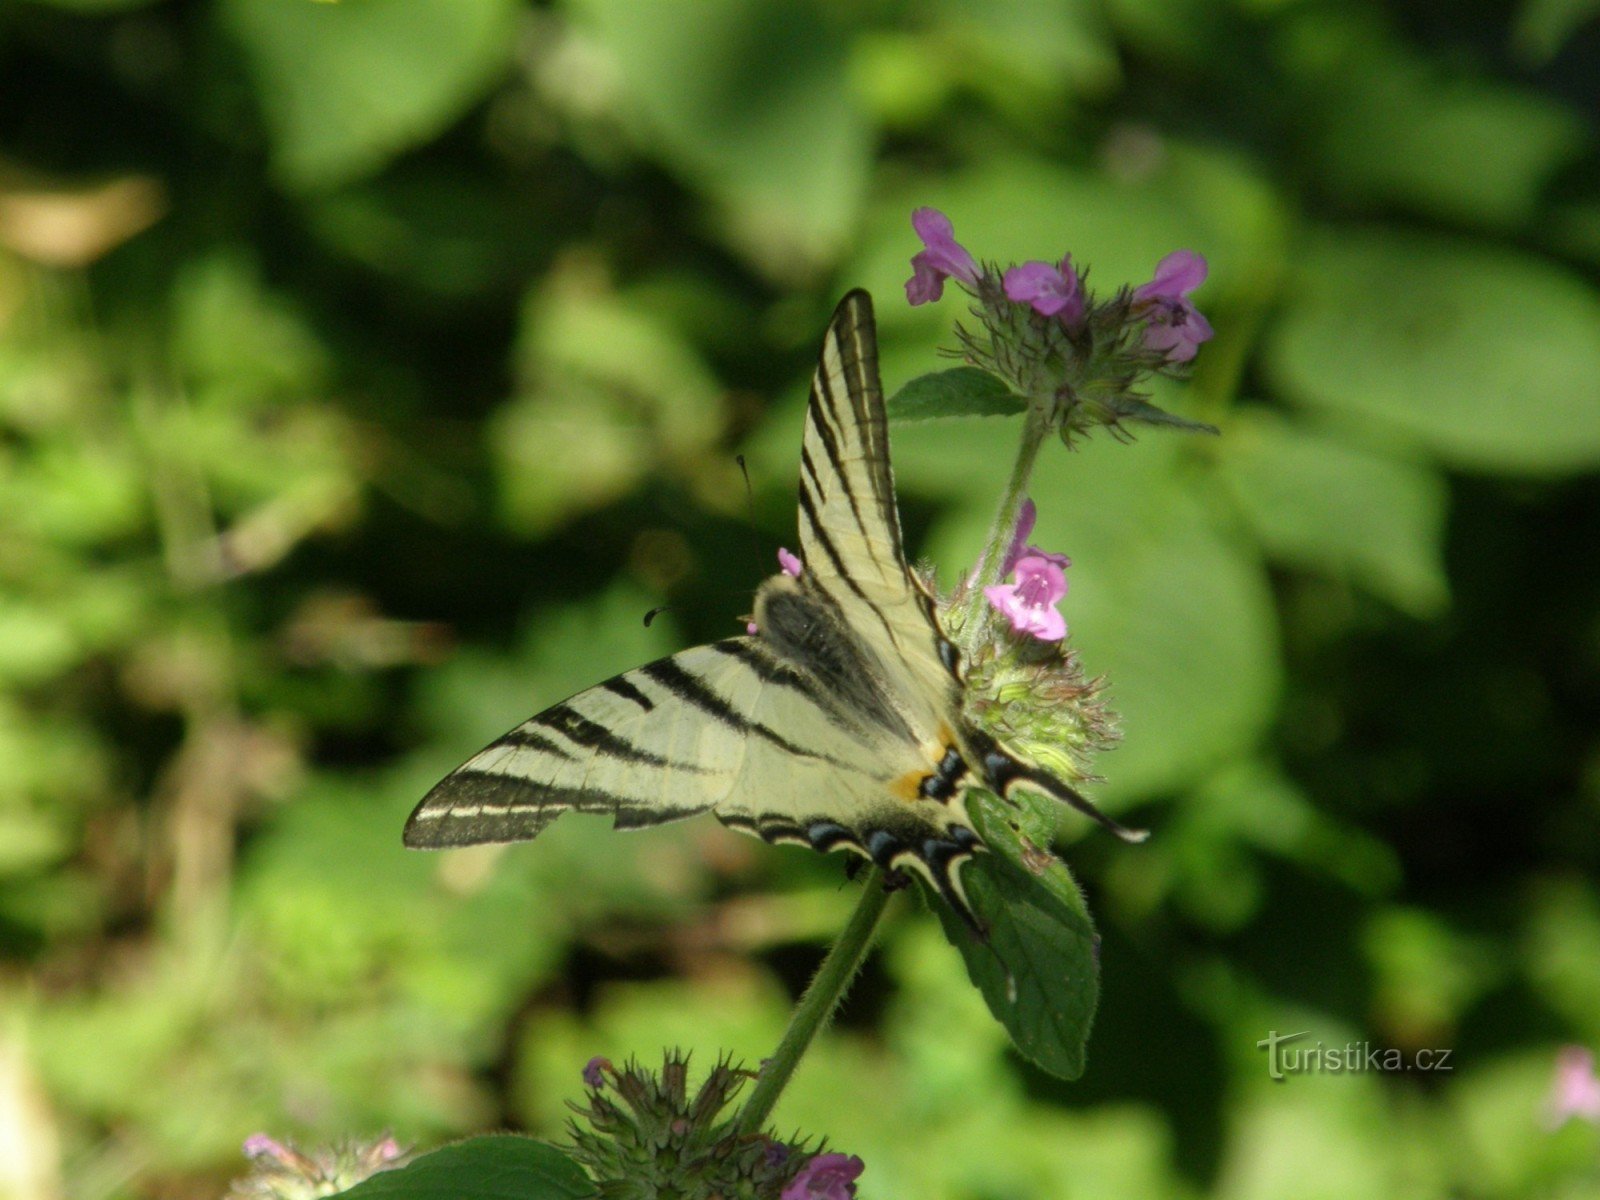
[(1004, 773), (943, 869)]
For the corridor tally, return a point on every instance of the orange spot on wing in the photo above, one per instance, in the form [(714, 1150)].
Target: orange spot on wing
[(908, 786)]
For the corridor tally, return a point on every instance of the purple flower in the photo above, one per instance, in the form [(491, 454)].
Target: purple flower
[(1176, 326), (825, 1177), (1576, 1092), (941, 258), (1051, 291), (1030, 603), (790, 563), (594, 1071)]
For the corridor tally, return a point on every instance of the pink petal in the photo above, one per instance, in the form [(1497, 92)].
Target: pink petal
[(1178, 274), (1050, 291), (926, 283), (932, 226), (825, 1177), (1024, 282), (789, 563), (1048, 625), (752, 628), (258, 1144), (1035, 572), (944, 253), (1004, 598), (1577, 1090)]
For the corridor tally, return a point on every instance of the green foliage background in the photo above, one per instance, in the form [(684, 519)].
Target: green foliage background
[(367, 369)]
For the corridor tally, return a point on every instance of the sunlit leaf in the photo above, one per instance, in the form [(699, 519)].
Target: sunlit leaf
[(1400, 129), (1320, 501), (752, 101), (958, 392), (345, 87), (1037, 969), (1485, 356), (483, 1168)]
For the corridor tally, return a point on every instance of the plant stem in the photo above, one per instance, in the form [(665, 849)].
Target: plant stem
[(818, 1004), (1034, 428)]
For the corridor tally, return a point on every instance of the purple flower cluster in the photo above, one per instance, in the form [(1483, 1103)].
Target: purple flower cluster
[(1172, 326)]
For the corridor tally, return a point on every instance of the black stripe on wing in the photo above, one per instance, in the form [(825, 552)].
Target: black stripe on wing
[(591, 736), (845, 452), (470, 807), (669, 674), (850, 351)]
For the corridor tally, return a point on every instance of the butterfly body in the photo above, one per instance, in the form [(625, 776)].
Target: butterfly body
[(837, 724)]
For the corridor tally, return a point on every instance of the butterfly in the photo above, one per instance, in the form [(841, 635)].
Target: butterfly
[(837, 724)]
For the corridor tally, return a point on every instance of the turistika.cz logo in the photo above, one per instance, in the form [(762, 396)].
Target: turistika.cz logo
[(1290, 1054)]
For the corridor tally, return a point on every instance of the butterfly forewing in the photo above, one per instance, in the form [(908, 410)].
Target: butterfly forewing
[(850, 524)]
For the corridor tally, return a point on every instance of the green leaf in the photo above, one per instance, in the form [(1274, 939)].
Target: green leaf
[(484, 1168), (346, 87), (753, 101), (958, 392), (1318, 501), (1400, 130), (1038, 970), (1485, 356), (1543, 27), (609, 393)]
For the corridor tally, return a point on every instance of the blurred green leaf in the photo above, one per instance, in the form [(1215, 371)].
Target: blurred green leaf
[(1318, 501), (483, 1168), (1023, 54), (28, 839), (346, 87), (1482, 355), (235, 337), (1428, 972), (1404, 130), (1561, 950), (958, 392), (1038, 968), (1502, 1141), (1543, 27), (608, 393), (433, 229), (94, 6), (753, 101)]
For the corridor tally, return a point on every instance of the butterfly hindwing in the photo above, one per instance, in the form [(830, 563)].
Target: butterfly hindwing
[(727, 728)]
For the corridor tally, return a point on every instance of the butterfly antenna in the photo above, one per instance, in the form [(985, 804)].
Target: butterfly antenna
[(656, 612), (750, 510)]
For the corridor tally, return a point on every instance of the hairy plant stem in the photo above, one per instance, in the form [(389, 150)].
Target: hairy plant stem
[(817, 1006), (988, 571)]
